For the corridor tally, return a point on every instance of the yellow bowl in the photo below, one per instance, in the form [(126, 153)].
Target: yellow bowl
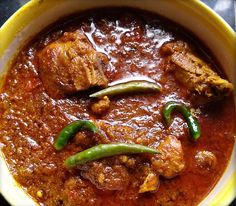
[(192, 14)]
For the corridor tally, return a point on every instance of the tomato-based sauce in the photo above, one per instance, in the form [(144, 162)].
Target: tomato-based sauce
[(30, 119)]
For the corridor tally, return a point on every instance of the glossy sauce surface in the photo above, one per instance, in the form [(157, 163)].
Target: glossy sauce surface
[(30, 119)]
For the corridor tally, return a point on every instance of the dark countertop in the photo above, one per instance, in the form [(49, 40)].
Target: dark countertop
[(225, 8)]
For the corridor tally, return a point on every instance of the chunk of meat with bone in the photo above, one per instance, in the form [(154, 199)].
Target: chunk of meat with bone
[(71, 64), (105, 176), (194, 72), (170, 162)]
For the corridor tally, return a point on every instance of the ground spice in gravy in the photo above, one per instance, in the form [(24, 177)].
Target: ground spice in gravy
[(30, 119)]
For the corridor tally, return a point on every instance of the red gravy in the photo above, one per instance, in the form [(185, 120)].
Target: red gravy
[(30, 119)]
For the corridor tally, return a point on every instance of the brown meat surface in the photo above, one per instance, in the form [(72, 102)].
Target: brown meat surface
[(150, 184), (105, 176), (193, 72), (101, 106), (170, 162), (86, 138), (205, 159), (77, 192), (71, 64)]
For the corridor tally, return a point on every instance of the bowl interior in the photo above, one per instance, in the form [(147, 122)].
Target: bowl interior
[(199, 19)]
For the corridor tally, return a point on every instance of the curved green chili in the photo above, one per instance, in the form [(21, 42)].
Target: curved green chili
[(106, 150), (193, 125), (70, 130), (134, 86)]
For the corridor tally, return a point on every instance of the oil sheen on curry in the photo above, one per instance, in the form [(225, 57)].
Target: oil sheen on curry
[(116, 107)]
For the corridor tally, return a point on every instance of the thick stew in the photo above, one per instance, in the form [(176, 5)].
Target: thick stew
[(116, 107)]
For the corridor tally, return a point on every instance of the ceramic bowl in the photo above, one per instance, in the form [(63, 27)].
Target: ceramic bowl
[(192, 14)]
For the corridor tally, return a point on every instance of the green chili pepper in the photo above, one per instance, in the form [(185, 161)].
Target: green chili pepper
[(134, 86), (70, 130), (106, 150), (193, 125)]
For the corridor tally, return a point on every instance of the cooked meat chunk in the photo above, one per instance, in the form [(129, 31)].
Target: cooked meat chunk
[(170, 162), (85, 138), (176, 46), (205, 159), (71, 64), (101, 106), (150, 183), (193, 72), (105, 176), (198, 76)]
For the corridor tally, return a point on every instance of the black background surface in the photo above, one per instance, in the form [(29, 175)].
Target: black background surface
[(225, 8)]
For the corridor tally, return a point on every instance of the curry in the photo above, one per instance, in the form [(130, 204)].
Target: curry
[(116, 106)]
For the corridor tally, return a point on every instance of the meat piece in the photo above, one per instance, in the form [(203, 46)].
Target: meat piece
[(176, 46), (193, 72), (85, 138), (71, 64), (205, 159), (101, 106), (198, 76), (170, 162), (150, 183), (105, 176)]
